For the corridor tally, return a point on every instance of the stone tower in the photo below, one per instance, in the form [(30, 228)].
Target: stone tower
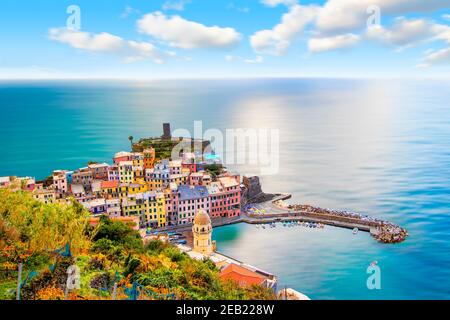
[(202, 232), (167, 134)]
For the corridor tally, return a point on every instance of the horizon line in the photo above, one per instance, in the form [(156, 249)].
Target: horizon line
[(405, 77)]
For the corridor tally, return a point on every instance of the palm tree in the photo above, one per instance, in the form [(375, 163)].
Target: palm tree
[(131, 141)]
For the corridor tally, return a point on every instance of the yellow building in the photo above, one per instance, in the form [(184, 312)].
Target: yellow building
[(123, 190), (134, 188), (110, 189), (138, 159), (202, 232), (126, 172), (44, 195), (138, 173), (155, 212), (156, 184), (161, 209), (134, 205)]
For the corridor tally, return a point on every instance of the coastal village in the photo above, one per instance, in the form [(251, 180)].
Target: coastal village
[(154, 194), (179, 201)]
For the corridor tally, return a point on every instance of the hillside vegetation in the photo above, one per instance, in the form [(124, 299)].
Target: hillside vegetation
[(48, 238)]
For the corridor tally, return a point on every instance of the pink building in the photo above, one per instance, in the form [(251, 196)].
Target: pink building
[(225, 197), (175, 167), (113, 173), (60, 185), (171, 198), (191, 166), (5, 182), (200, 178), (122, 156)]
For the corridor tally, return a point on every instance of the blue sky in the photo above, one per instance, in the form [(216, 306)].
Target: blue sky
[(225, 38)]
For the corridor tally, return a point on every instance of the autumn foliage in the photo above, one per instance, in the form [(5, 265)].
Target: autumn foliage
[(112, 258)]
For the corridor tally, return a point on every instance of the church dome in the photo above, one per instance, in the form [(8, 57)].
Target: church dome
[(202, 218)]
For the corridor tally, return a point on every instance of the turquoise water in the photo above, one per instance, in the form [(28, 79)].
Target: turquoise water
[(377, 147)]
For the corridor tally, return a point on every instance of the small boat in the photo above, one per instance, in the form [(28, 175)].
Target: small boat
[(355, 230), (263, 227)]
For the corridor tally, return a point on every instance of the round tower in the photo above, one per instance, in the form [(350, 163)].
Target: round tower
[(202, 232)]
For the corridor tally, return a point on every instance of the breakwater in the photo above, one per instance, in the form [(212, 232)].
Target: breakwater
[(382, 230)]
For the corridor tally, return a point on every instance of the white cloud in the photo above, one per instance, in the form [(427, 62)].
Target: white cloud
[(347, 15), (258, 59), (442, 32), (104, 42), (316, 45), (274, 3), (181, 33), (436, 57), (446, 17), (403, 33), (175, 5), (128, 11), (406, 33), (277, 40)]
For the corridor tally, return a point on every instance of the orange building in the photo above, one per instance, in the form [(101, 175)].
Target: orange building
[(110, 189), (149, 158), (242, 276)]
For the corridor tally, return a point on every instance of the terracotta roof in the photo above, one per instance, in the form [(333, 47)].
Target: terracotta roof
[(228, 182), (241, 275), (110, 184)]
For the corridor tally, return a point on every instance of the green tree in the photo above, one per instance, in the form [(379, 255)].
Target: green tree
[(120, 234), (131, 138)]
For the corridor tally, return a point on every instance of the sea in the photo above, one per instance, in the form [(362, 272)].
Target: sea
[(377, 147)]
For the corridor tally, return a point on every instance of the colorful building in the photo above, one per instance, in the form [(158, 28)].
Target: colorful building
[(229, 202), (135, 205), (83, 176), (5, 182), (110, 189), (171, 197), (113, 207), (149, 158), (242, 276), (122, 156), (126, 174), (190, 200), (99, 170), (96, 206), (60, 185), (44, 195), (155, 212), (113, 173), (175, 167)]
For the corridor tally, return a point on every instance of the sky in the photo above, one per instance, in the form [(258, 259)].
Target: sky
[(148, 39)]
